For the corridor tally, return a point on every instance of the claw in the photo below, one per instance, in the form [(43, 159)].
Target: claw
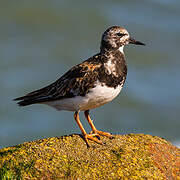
[(92, 138), (104, 134), (95, 135), (94, 130)]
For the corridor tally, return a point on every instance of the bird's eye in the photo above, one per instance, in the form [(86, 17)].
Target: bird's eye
[(120, 34)]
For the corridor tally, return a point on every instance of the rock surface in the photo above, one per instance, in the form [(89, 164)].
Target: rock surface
[(132, 156)]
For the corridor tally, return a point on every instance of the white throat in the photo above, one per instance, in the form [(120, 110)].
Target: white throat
[(121, 49)]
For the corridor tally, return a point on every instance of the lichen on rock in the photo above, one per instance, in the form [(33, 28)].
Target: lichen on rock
[(132, 156)]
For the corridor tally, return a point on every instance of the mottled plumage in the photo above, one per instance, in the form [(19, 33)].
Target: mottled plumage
[(80, 79), (90, 84)]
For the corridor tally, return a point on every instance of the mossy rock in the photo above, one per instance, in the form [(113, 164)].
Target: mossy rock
[(132, 156)]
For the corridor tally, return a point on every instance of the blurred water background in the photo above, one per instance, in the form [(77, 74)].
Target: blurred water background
[(41, 40)]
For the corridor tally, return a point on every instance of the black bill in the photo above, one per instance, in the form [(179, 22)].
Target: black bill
[(133, 41)]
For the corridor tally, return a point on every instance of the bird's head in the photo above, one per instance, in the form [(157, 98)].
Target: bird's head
[(117, 37)]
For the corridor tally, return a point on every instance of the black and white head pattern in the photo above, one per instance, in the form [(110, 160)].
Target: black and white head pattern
[(114, 38)]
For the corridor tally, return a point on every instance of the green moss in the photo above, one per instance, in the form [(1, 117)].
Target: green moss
[(6, 172), (67, 157)]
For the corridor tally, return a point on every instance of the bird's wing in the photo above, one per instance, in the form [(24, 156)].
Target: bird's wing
[(77, 81)]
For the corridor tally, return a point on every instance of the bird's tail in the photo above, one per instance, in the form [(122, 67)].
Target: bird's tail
[(32, 98), (25, 101)]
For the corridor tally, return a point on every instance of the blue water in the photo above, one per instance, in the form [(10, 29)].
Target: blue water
[(40, 40)]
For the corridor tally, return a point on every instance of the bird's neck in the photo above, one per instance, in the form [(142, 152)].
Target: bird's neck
[(113, 53), (121, 49), (114, 64), (105, 50)]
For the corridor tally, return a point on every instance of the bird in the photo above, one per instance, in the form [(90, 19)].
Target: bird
[(90, 84)]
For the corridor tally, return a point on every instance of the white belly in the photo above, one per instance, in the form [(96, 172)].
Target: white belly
[(97, 96)]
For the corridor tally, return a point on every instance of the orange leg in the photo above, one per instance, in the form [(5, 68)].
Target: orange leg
[(84, 134), (94, 130)]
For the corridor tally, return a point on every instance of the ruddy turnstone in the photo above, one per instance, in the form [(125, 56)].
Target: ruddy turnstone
[(90, 84)]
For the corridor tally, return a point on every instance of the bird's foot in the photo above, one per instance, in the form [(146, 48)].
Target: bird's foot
[(93, 137), (107, 134)]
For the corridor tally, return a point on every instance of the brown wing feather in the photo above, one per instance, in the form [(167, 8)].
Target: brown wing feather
[(77, 81)]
